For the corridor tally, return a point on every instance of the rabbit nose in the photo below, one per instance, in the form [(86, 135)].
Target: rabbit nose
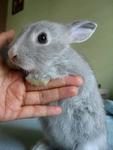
[(12, 56)]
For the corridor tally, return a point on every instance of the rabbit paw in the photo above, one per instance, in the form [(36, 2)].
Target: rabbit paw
[(41, 146), (34, 80)]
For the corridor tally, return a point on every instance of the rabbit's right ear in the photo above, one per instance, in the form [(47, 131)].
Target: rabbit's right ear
[(80, 31)]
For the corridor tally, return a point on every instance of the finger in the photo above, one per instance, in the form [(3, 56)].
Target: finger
[(44, 97), (38, 111), (66, 81), (6, 37)]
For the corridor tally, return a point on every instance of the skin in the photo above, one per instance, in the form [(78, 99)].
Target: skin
[(20, 100)]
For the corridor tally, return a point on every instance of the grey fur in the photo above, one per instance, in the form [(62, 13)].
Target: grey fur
[(81, 126)]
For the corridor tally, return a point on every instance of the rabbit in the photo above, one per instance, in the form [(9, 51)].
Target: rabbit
[(43, 50)]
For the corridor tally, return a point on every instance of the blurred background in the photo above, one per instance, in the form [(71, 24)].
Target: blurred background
[(98, 50)]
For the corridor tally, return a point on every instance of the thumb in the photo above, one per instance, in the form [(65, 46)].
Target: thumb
[(6, 37)]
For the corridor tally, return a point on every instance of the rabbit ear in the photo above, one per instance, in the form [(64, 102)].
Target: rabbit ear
[(80, 31)]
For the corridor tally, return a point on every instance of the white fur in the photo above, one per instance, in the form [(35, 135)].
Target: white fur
[(96, 144)]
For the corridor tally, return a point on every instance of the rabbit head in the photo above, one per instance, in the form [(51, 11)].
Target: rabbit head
[(43, 41)]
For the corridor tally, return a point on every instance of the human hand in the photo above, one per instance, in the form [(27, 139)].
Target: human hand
[(19, 100)]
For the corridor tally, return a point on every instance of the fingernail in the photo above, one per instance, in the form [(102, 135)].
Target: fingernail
[(80, 80), (74, 90), (58, 110)]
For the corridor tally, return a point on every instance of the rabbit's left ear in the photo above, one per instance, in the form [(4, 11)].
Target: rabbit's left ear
[(80, 31)]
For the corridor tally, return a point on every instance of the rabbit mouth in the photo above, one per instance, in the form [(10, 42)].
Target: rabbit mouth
[(26, 72)]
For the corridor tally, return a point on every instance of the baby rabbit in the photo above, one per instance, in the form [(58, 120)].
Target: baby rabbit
[(43, 51)]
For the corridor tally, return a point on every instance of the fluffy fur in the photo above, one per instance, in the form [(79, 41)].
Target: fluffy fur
[(81, 126)]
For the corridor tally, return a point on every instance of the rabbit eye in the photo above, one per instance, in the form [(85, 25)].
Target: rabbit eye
[(42, 38)]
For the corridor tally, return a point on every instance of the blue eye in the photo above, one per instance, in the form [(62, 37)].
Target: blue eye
[(42, 38)]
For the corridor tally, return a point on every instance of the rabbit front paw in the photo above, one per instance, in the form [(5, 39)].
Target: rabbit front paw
[(41, 146), (35, 80)]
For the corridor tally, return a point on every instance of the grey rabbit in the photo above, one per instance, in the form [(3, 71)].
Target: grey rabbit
[(43, 50)]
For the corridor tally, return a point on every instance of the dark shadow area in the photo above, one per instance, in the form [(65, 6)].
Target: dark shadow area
[(13, 134)]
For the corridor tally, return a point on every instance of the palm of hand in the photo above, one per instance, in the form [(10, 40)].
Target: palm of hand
[(12, 91)]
